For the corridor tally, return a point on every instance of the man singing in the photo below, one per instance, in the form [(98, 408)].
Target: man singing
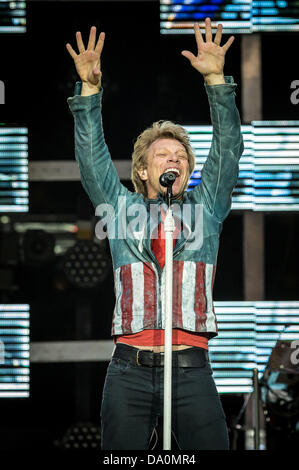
[(132, 399)]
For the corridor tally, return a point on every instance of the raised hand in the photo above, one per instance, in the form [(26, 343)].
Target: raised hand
[(209, 60), (88, 61)]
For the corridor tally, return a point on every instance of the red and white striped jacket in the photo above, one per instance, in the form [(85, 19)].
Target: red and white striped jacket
[(140, 294)]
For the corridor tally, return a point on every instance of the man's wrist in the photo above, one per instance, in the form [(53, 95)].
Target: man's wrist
[(214, 79), (88, 89)]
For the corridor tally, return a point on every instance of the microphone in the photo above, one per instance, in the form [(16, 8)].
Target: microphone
[(167, 179)]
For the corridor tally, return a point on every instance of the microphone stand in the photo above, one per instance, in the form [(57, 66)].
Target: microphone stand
[(168, 229)]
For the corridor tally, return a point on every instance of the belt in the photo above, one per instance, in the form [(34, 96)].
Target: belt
[(191, 357)]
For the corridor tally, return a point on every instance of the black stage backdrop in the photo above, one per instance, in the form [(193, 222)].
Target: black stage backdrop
[(145, 78)]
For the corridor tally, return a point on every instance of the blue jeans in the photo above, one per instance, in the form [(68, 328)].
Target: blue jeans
[(132, 401)]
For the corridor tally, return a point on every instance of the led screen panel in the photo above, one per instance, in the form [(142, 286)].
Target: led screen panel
[(269, 167), (12, 16), (14, 351), (237, 16), (14, 196), (248, 331)]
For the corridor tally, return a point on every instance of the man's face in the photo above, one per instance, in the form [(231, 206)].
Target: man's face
[(164, 154)]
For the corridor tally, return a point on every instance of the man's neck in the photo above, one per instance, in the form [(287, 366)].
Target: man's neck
[(156, 196)]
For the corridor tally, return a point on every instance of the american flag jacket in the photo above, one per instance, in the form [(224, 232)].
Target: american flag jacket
[(139, 281)]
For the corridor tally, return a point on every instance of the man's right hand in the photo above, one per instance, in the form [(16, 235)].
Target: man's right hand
[(87, 62)]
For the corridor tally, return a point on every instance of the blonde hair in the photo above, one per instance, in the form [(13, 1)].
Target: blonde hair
[(159, 130)]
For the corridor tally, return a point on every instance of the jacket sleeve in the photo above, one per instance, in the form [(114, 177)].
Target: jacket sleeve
[(220, 172), (98, 173)]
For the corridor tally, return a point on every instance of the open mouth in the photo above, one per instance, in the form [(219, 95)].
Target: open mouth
[(173, 170), (177, 183)]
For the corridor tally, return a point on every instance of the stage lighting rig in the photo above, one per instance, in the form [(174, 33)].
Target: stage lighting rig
[(86, 264), (280, 389), (38, 247), (81, 435)]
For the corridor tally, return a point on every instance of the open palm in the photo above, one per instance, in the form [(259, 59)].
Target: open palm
[(88, 61), (210, 55)]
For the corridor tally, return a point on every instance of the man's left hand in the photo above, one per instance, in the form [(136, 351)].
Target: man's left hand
[(210, 55)]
